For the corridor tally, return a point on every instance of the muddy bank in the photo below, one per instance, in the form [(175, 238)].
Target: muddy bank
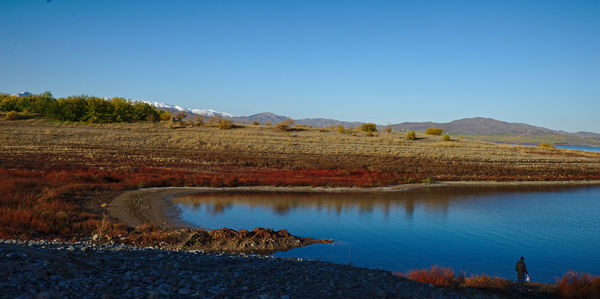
[(155, 207)]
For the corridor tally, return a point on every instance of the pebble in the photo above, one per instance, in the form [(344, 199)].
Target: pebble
[(89, 270)]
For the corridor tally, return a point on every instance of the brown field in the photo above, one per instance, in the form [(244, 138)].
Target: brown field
[(38, 144)]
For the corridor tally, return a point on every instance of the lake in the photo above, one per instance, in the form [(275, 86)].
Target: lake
[(580, 148), (471, 229)]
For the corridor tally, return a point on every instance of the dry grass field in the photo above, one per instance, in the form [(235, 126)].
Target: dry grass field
[(39, 144)]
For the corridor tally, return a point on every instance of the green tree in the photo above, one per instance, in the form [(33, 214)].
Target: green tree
[(143, 111), (72, 108), (123, 110), (100, 111)]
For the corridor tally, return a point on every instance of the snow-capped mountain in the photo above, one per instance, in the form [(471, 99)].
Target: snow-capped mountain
[(22, 94), (205, 112)]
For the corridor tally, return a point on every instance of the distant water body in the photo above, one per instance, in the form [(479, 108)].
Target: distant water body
[(581, 148), (471, 229)]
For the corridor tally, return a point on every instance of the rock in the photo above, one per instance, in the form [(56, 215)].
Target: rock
[(43, 295)]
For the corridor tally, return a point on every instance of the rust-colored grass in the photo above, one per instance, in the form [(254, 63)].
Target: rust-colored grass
[(572, 285), (437, 276), (578, 285)]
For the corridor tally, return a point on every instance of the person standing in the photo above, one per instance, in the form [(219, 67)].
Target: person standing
[(521, 271)]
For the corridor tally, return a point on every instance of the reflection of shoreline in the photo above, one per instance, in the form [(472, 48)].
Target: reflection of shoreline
[(436, 199)]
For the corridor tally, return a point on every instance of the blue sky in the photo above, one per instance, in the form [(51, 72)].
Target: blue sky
[(536, 62)]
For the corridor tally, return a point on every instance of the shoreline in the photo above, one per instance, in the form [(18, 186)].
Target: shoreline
[(155, 205)]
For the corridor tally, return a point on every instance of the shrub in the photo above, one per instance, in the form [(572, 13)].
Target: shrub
[(388, 129), (256, 123), (446, 137), (165, 115), (285, 125), (13, 115), (368, 127), (546, 145), (225, 124), (341, 129), (268, 123), (434, 131), (437, 276), (427, 180), (578, 285), (411, 135)]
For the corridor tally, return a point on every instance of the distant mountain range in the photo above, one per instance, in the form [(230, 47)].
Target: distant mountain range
[(486, 128), (478, 126)]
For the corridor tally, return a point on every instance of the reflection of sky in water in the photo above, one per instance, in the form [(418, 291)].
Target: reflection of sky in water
[(478, 230)]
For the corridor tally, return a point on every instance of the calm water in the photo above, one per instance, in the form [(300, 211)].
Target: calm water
[(474, 229), (581, 148)]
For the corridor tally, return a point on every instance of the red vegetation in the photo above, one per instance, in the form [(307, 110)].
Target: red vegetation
[(437, 276), (49, 202), (444, 277), (572, 284), (578, 285)]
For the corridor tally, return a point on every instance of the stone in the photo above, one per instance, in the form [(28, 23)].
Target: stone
[(43, 295)]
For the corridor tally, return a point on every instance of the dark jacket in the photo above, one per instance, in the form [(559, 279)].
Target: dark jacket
[(521, 268)]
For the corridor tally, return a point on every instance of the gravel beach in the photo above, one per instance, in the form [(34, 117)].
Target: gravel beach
[(46, 269)]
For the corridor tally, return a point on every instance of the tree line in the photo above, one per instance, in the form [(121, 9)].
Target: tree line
[(83, 108)]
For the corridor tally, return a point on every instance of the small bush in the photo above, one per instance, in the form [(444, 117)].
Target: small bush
[(437, 276), (578, 285), (12, 115), (285, 125), (225, 124), (388, 129), (341, 129), (268, 123), (411, 135), (256, 123), (427, 180), (165, 115), (446, 137), (434, 131), (546, 145), (368, 127)]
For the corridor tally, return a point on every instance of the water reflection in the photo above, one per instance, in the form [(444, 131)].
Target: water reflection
[(435, 200)]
